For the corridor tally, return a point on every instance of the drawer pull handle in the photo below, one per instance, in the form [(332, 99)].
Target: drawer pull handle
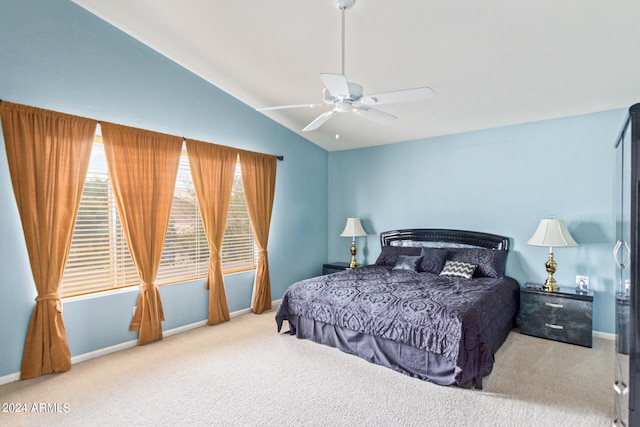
[(550, 304), (549, 325)]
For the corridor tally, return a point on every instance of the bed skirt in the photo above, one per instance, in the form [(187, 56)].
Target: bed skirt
[(409, 360)]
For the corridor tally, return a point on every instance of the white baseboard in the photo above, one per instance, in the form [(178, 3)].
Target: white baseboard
[(604, 335), (103, 351), (130, 344), (184, 328), (10, 378)]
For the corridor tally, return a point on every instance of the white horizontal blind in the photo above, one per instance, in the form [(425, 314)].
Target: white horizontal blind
[(186, 253), (99, 258), (239, 250)]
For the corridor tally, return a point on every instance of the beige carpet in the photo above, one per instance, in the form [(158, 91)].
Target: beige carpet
[(242, 373)]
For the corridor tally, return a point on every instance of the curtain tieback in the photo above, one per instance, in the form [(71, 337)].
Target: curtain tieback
[(147, 286), (51, 297), (45, 297)]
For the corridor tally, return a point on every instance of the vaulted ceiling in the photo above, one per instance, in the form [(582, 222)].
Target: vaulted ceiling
[(489, 62)]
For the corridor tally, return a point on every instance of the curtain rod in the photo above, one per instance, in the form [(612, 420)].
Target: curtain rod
[(280, 158)]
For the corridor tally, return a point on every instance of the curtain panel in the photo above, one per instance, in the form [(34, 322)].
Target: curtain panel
[(212, 170), (143, 167), (48, 155), (259, 181)]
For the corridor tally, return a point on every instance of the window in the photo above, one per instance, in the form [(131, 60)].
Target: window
[(239, 250), (99, 258)]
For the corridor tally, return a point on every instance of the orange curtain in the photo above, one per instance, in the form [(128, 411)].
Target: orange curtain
[(259, 182), (143, 166), (212, 169), (48, 155)]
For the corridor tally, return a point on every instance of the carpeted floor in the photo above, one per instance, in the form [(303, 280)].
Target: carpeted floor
[(242, 373)]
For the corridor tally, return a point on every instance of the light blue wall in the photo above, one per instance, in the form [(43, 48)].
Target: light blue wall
[(501, 181), (58, 56)]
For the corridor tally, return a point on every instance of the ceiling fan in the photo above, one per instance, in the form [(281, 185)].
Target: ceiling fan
[(348, 97)]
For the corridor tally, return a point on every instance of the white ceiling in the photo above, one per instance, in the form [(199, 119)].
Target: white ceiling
[(489, 62)]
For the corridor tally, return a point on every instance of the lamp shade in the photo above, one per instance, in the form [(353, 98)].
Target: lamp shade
[(552, 232), (353, 228)]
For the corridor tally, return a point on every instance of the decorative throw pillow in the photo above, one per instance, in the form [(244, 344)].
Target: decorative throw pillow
[(458, 269), (407, 263), (491, 263), (433, 260), (389, 254)]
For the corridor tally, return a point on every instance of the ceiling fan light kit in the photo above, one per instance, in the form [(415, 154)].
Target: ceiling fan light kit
[(348, 97)]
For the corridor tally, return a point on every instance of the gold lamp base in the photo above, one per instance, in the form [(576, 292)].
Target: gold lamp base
[(550, 284), (353, 263)]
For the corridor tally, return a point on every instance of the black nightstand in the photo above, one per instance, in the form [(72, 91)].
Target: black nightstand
[(334, 267), (562, 316)]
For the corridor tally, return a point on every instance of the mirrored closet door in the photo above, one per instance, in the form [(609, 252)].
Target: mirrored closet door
[(626, 384), (622, 280)]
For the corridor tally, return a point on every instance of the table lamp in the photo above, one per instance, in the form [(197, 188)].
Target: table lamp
[(353, 229), (552, 232)]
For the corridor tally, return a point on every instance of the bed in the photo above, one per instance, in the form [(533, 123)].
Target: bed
[(436, 305)]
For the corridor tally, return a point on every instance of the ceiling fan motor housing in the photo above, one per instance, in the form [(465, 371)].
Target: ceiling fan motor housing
[(355, 94)]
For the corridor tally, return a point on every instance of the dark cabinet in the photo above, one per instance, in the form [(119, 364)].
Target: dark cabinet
[(564, 316), (334, 267)]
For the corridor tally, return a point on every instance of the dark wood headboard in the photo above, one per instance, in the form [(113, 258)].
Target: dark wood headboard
[(462, 237)]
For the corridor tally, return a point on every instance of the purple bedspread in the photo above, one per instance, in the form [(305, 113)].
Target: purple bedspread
[(459, 319)]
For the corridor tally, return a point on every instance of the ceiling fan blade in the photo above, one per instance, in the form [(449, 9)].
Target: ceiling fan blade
[(319, 121), (336, 85), (407, 95), (282, 107), (375, 115)]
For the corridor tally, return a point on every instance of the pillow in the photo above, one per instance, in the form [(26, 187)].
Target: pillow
[(433, 260), (458, 269), (389, 254), (491, 263), (407, 263)]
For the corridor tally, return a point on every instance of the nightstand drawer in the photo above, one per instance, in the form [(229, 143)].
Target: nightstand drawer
[(551, 305), (558, 316), (559, 329)]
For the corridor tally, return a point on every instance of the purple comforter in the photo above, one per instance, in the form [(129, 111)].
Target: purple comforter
[(459, 319)]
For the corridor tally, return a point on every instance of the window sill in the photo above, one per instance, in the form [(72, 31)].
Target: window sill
[(99, 294)]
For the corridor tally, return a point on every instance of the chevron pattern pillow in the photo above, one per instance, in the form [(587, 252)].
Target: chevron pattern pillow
[(490, 263), (458, 269)]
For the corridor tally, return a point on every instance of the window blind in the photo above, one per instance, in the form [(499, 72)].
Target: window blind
[(99, 258)]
